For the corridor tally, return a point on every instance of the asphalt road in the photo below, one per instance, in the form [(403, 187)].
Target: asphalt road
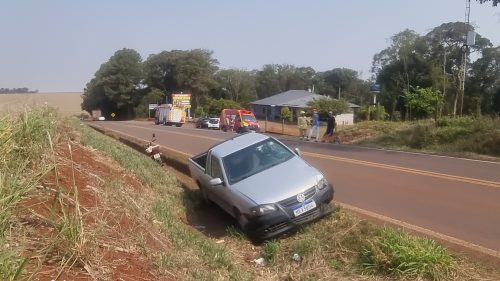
[(454, 197)]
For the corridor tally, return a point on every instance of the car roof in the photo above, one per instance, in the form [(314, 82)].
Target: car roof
[(237, 143)]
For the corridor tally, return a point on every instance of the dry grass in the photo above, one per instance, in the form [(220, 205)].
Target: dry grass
[(71, 214), (116, 215), (67, 103)]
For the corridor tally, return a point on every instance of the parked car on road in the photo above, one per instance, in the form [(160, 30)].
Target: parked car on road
[(207, 122), (267, 187), (213, 123), (202, 122)]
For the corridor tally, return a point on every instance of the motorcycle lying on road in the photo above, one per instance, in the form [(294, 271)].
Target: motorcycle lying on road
[(153, 150)]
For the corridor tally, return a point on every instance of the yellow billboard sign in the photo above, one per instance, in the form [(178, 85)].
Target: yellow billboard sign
[(181, 100)]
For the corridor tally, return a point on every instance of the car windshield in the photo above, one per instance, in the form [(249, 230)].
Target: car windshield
[(249, 118), (254, 159)]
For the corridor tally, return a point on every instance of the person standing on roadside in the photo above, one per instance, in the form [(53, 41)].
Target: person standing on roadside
[(314, 125), (231, 123), (330, 126), (302, 123)]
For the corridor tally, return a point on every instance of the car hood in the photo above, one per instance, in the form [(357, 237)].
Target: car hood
[(279, 182)]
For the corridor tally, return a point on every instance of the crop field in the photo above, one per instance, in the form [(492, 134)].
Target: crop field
[(67, 103)]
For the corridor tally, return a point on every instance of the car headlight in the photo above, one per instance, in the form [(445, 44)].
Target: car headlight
[(263, 209), (322, 183)]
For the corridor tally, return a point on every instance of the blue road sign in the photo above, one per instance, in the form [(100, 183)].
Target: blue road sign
[(375, 88)]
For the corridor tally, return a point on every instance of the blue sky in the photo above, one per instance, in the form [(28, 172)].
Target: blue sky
[(57, 45)]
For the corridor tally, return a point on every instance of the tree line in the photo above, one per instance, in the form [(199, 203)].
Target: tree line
[(420, 77), (493, 2), (126, 84), (17, 91)]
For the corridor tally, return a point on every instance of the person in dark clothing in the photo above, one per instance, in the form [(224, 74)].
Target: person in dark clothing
[(330, 129), (330, 125)]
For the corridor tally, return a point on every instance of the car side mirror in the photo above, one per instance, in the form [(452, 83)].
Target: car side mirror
[(297, 151), (215, 181)]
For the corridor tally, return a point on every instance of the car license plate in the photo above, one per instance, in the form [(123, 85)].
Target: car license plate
[(304, 208), (157, 156)]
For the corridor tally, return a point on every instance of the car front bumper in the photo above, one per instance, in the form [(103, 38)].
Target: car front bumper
[(283, 219)]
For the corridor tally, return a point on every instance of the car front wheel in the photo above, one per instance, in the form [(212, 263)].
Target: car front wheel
[(204, 196), (240, 219)]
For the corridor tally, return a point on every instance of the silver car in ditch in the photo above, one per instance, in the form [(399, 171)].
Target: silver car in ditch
[(267, 187)]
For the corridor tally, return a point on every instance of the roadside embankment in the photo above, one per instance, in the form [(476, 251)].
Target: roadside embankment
[(178, 160)]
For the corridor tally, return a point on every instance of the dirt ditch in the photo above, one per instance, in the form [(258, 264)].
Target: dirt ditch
[(73, 198), (212, 222)]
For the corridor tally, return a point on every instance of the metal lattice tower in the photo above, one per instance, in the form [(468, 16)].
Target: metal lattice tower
[(467, 12)]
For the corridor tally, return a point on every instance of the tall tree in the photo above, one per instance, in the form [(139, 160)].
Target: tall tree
[(399, 51), (445, 46), (159, 71), (397, 68), (178, 70), (274, 79), (344, 83), (267, 81), (485, 83), (196, 72), (117, 84), (237, 85), (295, 78)]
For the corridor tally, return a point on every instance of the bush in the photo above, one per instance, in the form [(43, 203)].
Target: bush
[(417, 136), (199, 111), (375, 113), (466, 121), (446, 135), (399, 254), (270, 251)]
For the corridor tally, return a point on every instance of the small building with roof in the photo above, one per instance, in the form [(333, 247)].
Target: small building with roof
[(296, 100)]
